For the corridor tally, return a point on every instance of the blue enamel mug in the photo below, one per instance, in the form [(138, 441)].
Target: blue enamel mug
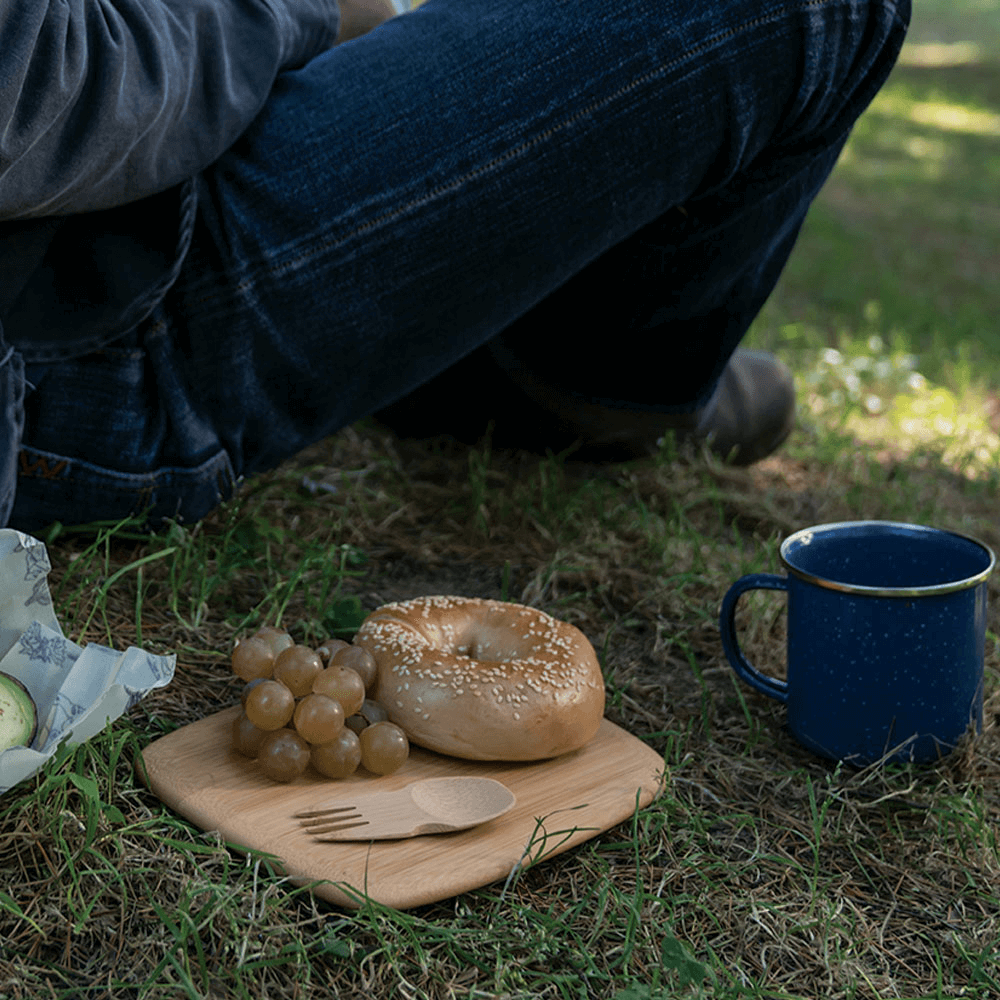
[(886, 639)]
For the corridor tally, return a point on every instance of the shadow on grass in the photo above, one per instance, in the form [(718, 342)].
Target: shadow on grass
[(910, 221)]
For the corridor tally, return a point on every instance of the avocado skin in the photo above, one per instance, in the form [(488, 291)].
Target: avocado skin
[(18, 715)]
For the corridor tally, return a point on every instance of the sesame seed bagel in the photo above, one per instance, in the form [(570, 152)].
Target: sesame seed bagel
[(484, 680)]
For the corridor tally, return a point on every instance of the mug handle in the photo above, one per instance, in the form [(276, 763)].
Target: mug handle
[(770, 686)]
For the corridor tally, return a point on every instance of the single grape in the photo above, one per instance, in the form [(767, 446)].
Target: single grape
[(251, 659), (270, 705), (329, 647), (384, 748), (356, 723), (248, 687), (246, 736), (369, 713), (374, 711), (318, 719), (343, 685), (297, 667), (283, 755), (276, 639), (340, 757), (358, 659)]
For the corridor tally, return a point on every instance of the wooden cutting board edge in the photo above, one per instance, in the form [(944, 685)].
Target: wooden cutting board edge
[(561, 803)]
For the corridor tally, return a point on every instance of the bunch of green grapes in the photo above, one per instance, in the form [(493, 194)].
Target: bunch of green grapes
[(305, 706)]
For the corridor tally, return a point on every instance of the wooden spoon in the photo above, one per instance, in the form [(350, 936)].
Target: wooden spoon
[(433, 805)]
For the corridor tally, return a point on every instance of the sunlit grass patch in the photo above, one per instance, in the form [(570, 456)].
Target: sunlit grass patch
[(903, 245), (878, 396)]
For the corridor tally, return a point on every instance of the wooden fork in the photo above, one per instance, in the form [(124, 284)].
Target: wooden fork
[(433, 805)]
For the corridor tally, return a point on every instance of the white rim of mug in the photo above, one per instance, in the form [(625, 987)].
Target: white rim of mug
[(931, 590)]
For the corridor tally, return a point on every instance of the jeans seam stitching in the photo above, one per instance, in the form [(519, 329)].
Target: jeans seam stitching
[(380, 221), (64, 471), (566, 123)]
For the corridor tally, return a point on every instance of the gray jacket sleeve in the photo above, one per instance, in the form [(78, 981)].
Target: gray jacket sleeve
[(103, 102)]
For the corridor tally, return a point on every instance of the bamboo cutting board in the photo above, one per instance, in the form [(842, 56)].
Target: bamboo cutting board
[(560, 803)]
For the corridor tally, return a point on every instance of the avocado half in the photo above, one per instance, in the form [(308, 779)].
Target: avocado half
[(18, 717)]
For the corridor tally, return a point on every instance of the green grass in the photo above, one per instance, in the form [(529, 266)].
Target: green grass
[(902, 244), (761, 872)]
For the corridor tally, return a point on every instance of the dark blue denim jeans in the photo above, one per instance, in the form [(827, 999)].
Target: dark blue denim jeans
[(613, 189)]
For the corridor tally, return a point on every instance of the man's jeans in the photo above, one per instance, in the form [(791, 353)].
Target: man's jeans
[(613, 188)]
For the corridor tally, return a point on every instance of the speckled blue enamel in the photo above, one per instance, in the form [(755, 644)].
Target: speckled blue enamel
[(874, 676)]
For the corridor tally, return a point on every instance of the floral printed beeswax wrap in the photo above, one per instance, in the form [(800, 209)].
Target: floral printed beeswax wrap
[(77, 690)]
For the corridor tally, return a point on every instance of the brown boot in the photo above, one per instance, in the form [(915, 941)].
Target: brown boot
[(358, 17), (750, 414), (752, 411)]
